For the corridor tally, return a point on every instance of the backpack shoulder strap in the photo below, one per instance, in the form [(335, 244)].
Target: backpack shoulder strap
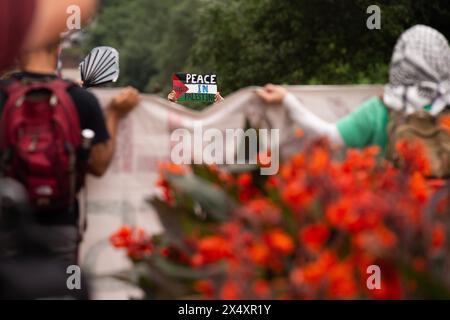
[(62, 98), (3, 94)]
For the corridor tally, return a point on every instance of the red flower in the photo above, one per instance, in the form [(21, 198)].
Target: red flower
[(210, 250), (134, 240), (262, 210), (245, 180), (230, 291), (314, 236), (319, 161), (438, 237), (314, 272), (259, 253), (262, 289), (413, 155), (163, 183), (297, 195), (377, 241), (342, 284), (280, 242), (205, 287), (419, 187), (311, 231), (342, 214), (172, 169), (122, 238)]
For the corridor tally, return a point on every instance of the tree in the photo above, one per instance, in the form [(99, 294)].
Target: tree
[(153, 38), (253, 42)]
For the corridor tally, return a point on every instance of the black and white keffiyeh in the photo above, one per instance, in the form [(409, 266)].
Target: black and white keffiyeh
[(419, 72)]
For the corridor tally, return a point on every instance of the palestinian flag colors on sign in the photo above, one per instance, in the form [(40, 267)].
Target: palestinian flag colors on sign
[(195, 87)]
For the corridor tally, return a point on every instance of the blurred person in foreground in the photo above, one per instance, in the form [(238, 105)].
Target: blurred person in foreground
[(30, 24), (54, 114), (418, 93)]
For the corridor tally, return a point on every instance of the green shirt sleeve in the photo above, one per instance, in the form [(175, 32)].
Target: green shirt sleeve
[(366, 126)]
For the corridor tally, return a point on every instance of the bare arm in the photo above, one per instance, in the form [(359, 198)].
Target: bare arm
[(103, 153), (50, 20), (309, 121), (300, 114)]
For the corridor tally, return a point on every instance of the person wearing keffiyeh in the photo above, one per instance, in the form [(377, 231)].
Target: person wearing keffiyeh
[(419, 80)]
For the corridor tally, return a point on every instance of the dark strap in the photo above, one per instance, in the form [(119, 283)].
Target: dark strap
[(3, 94)]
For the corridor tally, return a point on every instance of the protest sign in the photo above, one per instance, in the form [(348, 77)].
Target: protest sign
[(195, 87)]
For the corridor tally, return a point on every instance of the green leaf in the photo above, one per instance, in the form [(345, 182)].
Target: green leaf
[(187, 273), (171, 220), (427, 286), (241, 168), (209, 196)]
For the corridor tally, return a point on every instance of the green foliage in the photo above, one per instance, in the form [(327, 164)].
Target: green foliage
[(253, 42)]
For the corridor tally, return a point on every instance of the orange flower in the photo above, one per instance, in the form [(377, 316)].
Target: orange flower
[(297, 196), (419, 187), (445, 122), (438, 236), (230, 291), (280, 242), (210, 250), (376, 240), (314, 236), (259, 254), (413, 155), (315, 272), (259, 206), (298, 161), (172, 168), (319, 161), (262, 289), (205, 287), (342, 214), (263, 210), (361, 159), (342, 283)]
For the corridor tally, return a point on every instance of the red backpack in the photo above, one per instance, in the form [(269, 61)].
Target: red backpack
[(39, 139)]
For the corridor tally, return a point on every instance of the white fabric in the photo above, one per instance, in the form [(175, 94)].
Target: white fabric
[(419, 72)]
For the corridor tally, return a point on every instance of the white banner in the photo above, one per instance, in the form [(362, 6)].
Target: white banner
[(144, 142)]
